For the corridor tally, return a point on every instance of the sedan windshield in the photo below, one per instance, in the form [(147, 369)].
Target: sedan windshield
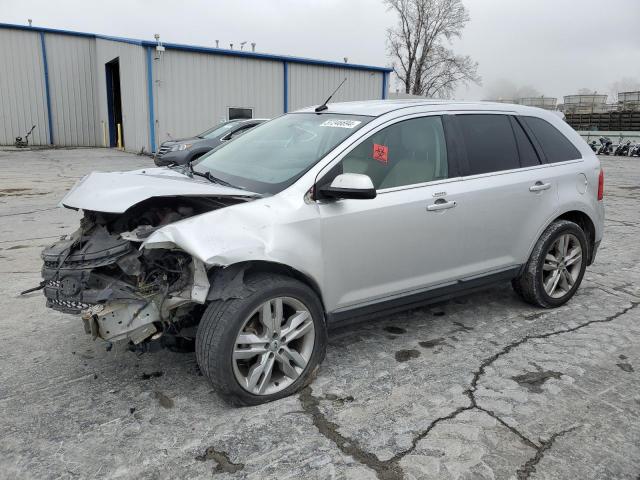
[(270, 157), (218, 130)]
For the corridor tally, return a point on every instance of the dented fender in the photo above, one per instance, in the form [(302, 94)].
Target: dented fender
[(262, 230)]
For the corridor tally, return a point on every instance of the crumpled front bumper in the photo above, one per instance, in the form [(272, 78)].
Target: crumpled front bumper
[(116, 321), (95, 276), (70, 283)]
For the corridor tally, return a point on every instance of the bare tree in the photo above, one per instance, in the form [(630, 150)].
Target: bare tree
[(419, 43)]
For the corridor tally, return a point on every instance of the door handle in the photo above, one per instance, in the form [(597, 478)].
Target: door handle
[(539, 186), (440, 204)]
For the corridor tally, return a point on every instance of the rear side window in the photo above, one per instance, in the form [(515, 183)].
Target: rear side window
[(528, 155), (555, 145), (489, 142)]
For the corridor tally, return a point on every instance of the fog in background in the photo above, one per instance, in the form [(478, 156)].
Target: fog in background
[(523, 47)]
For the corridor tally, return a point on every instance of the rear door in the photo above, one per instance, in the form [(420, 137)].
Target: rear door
[(564, 160), (508, 193)]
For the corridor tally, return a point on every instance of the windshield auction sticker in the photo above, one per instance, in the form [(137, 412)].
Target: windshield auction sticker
[(341, 123)]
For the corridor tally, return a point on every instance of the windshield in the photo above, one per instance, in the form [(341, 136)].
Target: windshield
[(270, 157), (218, 130)]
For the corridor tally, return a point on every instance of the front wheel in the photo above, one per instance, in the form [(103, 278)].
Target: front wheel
[(265, 344), (556, 266)]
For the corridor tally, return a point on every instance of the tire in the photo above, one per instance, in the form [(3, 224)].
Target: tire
[(222, 322), (530, 283)]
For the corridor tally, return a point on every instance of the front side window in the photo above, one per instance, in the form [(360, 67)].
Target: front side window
[(218, 130), (555, 145), (240, 131), (269, 158), (405, 153), (489, 143)]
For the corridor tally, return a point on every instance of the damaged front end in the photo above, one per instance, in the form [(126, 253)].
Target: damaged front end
[(124, 292)]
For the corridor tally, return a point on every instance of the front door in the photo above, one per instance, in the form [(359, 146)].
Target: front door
[(408, 237)]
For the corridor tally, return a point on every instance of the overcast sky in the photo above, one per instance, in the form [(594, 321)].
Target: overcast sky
[(553, 46)]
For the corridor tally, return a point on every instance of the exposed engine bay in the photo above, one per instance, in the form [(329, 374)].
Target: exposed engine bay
[(124, 292)]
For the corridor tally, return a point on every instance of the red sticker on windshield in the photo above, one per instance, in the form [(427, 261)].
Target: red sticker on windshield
[(380, 153)]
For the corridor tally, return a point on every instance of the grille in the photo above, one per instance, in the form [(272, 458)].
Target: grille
[(163, 149), (67, 306)]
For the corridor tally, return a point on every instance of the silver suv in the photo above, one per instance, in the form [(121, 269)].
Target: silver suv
[(324, 216)]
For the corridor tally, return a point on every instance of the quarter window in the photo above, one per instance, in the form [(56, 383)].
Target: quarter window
[(528, 155), (489, 142), (405, 153), (555, 145)]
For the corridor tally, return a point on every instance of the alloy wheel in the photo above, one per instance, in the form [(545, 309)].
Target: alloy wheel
[(562, 265), (273, 346)]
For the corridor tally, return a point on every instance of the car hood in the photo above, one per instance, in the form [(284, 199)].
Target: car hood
[(191, 140), (116, 192)]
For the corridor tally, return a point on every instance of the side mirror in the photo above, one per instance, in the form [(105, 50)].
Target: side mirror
[(349, 185)]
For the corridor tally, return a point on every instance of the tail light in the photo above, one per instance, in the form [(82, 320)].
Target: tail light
[(601, 185)]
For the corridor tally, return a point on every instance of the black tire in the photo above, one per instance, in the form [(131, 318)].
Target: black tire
[(222, 321), (528, 284)]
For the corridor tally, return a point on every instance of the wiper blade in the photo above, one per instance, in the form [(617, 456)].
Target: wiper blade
[(212, 179), (222, 182), (204, 175)]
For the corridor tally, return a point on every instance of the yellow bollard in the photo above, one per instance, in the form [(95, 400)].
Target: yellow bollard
[(119, 137), (104, 134)]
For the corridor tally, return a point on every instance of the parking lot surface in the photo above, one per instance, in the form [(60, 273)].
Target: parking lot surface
[(481, 387)]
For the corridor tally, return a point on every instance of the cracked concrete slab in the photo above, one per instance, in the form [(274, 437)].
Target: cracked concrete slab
[(482, 386)]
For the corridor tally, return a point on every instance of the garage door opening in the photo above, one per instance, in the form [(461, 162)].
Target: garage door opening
[(114, 105)]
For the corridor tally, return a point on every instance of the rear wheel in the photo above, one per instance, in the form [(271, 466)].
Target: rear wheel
[(264, 345), (556, 266)]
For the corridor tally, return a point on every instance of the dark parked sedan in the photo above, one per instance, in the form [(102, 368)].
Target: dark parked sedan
[(187, 149)]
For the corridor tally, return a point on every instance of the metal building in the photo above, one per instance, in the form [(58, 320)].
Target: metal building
[(629, 101), (584, 104), (548, 103), (78, 87)]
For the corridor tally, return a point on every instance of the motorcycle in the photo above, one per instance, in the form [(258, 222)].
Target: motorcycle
[(634, 151), (623, 149), (606, 146)]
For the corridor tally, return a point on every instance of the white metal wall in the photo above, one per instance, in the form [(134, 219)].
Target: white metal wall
[(312, 84), (133, 91), (74, 113), (22, 90), (193, 91)]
